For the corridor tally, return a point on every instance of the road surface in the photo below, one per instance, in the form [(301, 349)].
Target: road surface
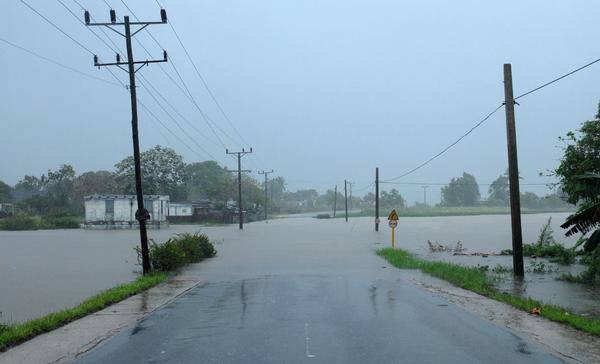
[(288, 295)]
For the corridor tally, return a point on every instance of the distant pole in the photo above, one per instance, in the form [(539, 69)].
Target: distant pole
[(141, 214), (513, 173), (377, 199), (425, 194), (334, 200), (266, 173), (346, 198), (350, 200), (239, 173)]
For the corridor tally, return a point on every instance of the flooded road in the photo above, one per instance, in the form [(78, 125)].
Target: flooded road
[(44, 271)]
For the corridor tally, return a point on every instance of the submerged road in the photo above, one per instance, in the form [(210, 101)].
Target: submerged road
[(310, 291)]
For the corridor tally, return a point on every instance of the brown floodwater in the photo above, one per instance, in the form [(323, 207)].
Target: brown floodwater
[(47, 270)]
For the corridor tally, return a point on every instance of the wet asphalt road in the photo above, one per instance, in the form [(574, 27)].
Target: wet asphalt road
[(302, 291)]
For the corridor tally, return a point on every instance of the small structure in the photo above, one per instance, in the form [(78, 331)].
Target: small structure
[(118, 211), (181, 209)]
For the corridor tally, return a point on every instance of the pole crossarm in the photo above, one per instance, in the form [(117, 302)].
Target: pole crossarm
[(239, 171)]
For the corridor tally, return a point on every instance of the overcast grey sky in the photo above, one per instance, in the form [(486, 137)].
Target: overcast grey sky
[(323, 90)]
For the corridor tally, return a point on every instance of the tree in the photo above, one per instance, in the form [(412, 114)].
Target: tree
[(208, 180), (579, 175), (93, 182), (51, 194), (392, 199), (461, 191), (163, 173), (5, 192), (499, 192)]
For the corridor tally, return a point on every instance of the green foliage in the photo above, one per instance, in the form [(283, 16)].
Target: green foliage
[(5, 192), (323, 216), (392, 199), (23, 222), (18, 222), (499, 190), (178, 251), (461, 191), (476, 280), (163, 172), (11, 335), (546, 246)]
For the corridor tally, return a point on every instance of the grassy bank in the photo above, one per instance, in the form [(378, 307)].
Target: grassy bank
[(11, 335), (417, 211), (475, 280)]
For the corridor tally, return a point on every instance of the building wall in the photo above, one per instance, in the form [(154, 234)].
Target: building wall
[(94, 210), (180, 209), (124, 209)]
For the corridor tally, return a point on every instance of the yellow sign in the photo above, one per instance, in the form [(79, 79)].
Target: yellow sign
[(393, 215)]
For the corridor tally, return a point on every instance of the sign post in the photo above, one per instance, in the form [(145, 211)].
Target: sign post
[(393, 223)]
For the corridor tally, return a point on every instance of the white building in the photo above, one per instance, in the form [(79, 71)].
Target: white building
[(181, 209), (118, 211)]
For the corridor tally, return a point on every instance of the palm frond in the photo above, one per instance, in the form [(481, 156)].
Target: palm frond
[(583, 221)]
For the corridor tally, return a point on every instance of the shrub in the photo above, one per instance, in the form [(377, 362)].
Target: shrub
[(178, 251), (323, 216), (208, 249), (63, 222), (166, 257), (20, 222), (191, 247)]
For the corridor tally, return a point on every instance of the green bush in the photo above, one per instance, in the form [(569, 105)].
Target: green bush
[(20, 222), (168, 256), (208, 249), (64, 222), (178, 251), (191, 247)]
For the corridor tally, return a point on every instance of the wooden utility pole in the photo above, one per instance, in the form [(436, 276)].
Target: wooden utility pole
[(141, 214), (266, 173), (513, 173), (425, 187), (239, 173), (377, 199), (346, 198), (334, 200), (350, 193)]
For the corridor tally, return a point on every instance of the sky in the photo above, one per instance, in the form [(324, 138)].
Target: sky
[(323, 90)]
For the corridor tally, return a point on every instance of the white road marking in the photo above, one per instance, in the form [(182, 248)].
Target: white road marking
[(308, 354)]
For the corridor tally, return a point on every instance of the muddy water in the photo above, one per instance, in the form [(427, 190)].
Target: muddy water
[(44, 271)]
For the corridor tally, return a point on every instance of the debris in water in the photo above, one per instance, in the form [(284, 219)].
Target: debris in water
[(437, 247), (536, 311)]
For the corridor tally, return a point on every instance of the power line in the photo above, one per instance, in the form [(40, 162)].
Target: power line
[(210, 123), (212, 96), (558, 78), (57, 63), (478, 124), (56, 27)]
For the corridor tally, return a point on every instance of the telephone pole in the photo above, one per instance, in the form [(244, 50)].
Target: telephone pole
[(141, 214), (266, 173), (239, 172), (334, 200), (346, 198), (513, 173), (377, 199), (350, 202), (425, 187)]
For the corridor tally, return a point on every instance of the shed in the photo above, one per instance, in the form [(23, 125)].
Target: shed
[(107, 211)]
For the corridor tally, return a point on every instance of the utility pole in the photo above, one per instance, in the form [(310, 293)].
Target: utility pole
[(425, 187), (141, 214), (239, 172), (513, 173), (266, 173), (350, 202), (346, 198), (377, 199), (334, 200)]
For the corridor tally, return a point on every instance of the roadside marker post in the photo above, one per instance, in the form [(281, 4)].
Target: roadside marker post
[(393, 223)]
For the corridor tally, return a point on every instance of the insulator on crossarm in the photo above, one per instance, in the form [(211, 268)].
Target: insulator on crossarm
[(118, 58), (113, 16), (86, 15), (163, 15), (165, 56)]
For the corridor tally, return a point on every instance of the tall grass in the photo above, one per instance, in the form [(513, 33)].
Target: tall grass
[(476, 280)]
